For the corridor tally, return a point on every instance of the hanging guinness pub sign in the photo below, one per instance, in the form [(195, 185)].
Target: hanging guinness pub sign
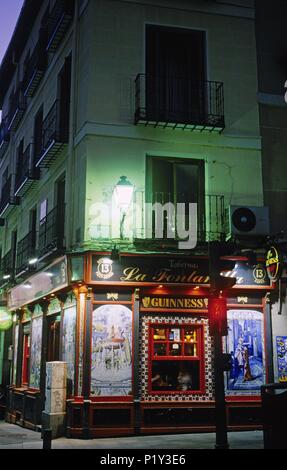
[(274, 263)]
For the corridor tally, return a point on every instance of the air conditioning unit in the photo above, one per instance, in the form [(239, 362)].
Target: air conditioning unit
[(247, 221)]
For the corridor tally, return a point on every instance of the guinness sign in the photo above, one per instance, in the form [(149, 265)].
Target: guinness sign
[(273, 263), (151, 270), (175, 303)]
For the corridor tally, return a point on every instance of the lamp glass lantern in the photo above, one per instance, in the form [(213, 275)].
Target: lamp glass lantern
[(123, 193)]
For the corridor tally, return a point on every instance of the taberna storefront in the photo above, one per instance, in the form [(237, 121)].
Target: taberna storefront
[(134, 336)]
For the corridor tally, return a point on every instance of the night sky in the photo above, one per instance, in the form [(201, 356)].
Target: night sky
[(9, 12)]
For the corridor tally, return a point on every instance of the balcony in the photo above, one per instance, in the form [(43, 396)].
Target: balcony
[(55, 136), (51, 232), (58, 23), (210, 221), (7, 266), (26, 249), (139, 226), (179, 103), (4, 138), (8, 199), (35, 67), (16, 109), (26, 173)]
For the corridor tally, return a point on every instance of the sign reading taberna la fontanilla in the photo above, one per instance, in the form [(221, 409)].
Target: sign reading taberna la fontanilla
[(134, 270)]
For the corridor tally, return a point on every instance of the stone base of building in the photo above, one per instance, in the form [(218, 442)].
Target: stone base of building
[(56, 422)]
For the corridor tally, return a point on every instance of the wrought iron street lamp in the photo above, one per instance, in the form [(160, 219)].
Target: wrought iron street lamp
[(123, 192)]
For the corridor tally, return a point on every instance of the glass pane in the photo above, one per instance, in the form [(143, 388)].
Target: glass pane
[(187, 177), (190, 335), (159, 349), (175, 349), (77, 268), (190, 349), (175, 376), (159, 334), (174, 334)]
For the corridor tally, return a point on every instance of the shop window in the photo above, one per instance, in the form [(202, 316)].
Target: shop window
[(177, 359), (26, 359)]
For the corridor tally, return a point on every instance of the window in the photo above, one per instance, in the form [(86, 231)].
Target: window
[(26, 359), (175, 74), (177, 360), (177, 181), (43, 210)]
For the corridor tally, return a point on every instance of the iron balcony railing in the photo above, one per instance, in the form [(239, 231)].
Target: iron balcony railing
[(7, 264), (26, 248), (51, 231), (7, 198), (207, 221), (55, 133), (25, 171), (210, 215), (58, 23), (4, 137), (17, 108), (179, 103), (35, 66)]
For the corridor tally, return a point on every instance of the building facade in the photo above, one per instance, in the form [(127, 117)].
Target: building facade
[(166, 96), (272, 71)]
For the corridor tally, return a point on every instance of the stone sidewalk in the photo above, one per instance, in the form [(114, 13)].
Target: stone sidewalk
[(15, 437)]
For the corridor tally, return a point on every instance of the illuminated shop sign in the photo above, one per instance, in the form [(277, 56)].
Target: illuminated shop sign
[(136, 270), (274, 263), (175, 303), (51, 279)]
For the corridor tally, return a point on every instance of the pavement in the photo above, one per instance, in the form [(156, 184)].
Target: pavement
[(16, 437)]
